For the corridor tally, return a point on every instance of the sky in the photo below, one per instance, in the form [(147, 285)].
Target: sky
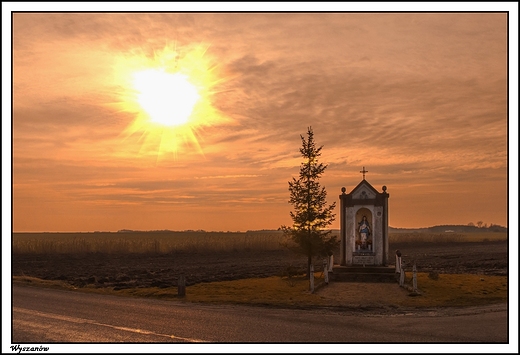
[(419, 100)]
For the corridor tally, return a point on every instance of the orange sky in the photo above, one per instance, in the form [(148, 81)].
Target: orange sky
[(420, 100)]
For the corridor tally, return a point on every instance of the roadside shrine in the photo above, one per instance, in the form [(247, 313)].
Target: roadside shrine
[(364, 234)]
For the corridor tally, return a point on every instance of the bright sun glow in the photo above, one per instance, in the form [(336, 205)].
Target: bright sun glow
[(168, 98), (170, 94)]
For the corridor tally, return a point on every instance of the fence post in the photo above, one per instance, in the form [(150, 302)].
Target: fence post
[(414, 282), (181, 286), (326, 271), (311, 279), (401, 276), (398, 261)]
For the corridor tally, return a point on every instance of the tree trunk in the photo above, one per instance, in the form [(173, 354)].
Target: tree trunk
[(309, 262)]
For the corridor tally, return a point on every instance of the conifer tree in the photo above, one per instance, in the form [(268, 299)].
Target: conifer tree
[(311, 213)]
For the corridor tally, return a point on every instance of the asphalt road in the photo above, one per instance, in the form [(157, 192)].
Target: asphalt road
[(46, 316)]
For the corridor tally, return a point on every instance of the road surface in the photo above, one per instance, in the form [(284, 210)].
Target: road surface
[(41, 315)]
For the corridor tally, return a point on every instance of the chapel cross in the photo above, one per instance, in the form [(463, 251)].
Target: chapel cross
[(364, 171)]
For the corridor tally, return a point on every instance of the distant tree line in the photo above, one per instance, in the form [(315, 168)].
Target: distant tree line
[(469, 228)]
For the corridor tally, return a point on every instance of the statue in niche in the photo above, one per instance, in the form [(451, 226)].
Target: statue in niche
[(364, 232)]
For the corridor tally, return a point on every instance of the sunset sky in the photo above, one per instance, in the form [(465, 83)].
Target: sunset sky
[(418, 99)]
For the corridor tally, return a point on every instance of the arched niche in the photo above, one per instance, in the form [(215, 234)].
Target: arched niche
[(364, 243)]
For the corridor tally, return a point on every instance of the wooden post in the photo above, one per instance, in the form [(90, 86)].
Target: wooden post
[(414, 278), (326, 271), (311, 279), (181, 286), (401, 276)]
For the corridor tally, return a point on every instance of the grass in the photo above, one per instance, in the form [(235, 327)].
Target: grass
[(270, 291), (459, 290), (143, 242), (448, 290), (166, 242), (34, 281)]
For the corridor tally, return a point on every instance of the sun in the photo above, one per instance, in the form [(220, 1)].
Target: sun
[(171, 95), (168, 98)]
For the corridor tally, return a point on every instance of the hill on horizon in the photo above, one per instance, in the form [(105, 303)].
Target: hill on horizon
[(452, 228)]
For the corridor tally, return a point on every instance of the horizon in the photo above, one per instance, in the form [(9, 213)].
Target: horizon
[(418, 99), (124, 230)]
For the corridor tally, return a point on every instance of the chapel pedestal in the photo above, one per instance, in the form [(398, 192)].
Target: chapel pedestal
[(363, 274)]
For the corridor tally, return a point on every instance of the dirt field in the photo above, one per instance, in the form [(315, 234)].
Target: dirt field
[(162, 270), (488, 258)]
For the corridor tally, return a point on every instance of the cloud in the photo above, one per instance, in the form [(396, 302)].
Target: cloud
[(419, 99)]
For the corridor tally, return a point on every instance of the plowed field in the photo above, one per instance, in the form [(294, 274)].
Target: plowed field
[(120, 271)]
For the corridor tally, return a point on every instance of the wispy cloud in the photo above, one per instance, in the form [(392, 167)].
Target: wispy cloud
[(419, 99)]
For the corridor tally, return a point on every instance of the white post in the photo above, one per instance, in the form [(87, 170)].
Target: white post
[(398, 261), (331, 262), (311, 279), (397, 264), (326, 271), (414, 282)]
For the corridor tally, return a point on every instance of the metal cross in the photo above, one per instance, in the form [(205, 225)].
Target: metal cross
[(364, 171)]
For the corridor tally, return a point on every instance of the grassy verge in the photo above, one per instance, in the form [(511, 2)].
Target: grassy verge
[(459, 290), (445, 291), (270, 291)]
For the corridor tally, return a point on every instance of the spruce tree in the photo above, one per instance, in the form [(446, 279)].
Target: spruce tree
[(311, 213)]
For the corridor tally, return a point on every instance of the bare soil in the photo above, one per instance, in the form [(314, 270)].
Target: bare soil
[(119, 271)]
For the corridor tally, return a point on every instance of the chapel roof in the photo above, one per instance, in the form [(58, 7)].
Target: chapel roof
[(364, 183)]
